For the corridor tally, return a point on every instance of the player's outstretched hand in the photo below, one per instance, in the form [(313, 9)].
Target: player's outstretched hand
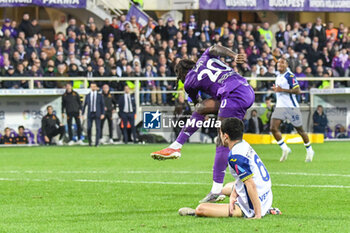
[(240, 58), (276, 88), (233, 199)]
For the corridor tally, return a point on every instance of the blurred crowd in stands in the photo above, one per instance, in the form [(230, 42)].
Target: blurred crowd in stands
[(123, 48)]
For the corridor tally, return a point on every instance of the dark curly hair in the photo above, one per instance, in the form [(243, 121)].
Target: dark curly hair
[(233, 127), (182, 68)]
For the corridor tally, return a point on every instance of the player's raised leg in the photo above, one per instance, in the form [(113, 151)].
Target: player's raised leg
[(309, 151), (208, 106), (196, 77), (227, 189), (275, 124), (219, 170), (235, 105)]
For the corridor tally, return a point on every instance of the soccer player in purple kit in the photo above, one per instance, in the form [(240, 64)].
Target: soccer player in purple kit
[(231, 97)]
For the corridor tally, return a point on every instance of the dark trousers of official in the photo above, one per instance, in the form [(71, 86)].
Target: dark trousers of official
[(76, 117), (97, 119), (108, 117), (53, 133), (128, 117)]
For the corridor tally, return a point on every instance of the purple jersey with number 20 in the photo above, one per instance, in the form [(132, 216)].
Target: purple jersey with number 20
[(221, 82), (213, 77)]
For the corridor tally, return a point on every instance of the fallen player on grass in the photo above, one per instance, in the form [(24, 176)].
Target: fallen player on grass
[(251, 194)]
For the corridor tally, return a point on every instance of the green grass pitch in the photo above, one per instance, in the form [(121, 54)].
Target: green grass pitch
[(121, 189)]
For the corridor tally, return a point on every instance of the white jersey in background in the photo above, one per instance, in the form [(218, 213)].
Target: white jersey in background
[(244, 164), (284, 99)]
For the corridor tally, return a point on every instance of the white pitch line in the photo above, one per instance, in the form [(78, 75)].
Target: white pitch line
[(105, 172), (140, 182), (312, 186), (163, 172), (162, 182), (208, 172), (309, 174), (54, 172)]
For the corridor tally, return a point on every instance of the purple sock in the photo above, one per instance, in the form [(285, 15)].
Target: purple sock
[(220, 164), (187, 132)]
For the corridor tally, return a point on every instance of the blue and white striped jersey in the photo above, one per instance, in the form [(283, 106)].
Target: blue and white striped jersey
[(244, 164), (286, 81)]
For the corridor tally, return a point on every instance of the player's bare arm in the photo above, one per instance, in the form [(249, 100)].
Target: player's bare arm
[(207, 106), (218, 50), (295, 90), (254, 197), (233, 200)]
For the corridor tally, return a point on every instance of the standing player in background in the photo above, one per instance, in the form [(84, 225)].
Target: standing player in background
[(110, 106), (231, 97), (251, 194), (21, 138), (287, 108), (71, 105)]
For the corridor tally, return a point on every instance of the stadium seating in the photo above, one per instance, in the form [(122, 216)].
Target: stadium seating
[(122, 49)]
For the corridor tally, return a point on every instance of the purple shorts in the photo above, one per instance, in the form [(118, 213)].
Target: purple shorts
[(237, 102)]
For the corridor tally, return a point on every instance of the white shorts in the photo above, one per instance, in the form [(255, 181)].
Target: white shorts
[(247, 207), (291, 114)]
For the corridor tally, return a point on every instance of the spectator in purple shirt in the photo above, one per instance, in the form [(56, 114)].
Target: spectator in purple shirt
[(347, 67), (304, 85), (337, 64), (6, 25), (192, 24)]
